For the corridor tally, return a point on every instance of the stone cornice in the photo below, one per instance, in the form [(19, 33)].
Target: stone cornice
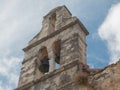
[(25, 60), (57, 32)]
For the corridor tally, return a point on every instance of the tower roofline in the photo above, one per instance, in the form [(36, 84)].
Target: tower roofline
[(75, 21), (56, 9)]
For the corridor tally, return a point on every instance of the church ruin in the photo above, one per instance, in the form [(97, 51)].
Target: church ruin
[(56, 55)]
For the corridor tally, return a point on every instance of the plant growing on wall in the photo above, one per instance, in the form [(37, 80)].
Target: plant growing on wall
[(82, 78)]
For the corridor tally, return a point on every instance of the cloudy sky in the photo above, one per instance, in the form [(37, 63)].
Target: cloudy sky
[(20, 20)]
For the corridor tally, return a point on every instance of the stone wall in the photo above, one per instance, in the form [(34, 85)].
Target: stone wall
[(59, 79), (64, 78), (56, 80), (27, 72), (108, 78)]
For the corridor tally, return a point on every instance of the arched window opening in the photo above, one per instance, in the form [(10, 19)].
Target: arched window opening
[(44, 60), (53, 20), (56, 50)]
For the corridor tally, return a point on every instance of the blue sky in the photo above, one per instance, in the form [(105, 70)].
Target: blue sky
[(20, 20)]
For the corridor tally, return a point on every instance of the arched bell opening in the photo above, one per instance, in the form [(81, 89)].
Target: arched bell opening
[(56, 50), (44, 60)]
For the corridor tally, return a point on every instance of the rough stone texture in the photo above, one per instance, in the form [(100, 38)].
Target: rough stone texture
[(59, 24), (59, 79), (108, 78), (27, 72)]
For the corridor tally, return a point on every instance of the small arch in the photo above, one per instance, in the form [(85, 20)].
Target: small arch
[(56, 50), (52, 21), (44, 60)]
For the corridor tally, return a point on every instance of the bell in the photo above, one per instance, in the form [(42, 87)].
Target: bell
[(44, 67), (45, 60)]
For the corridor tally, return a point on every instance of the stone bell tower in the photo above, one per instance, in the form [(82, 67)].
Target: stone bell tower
[(52, 57)]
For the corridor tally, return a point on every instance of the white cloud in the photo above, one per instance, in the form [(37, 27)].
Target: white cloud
[(9, 71), (4, 87), (110, 32), (10, 63)]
